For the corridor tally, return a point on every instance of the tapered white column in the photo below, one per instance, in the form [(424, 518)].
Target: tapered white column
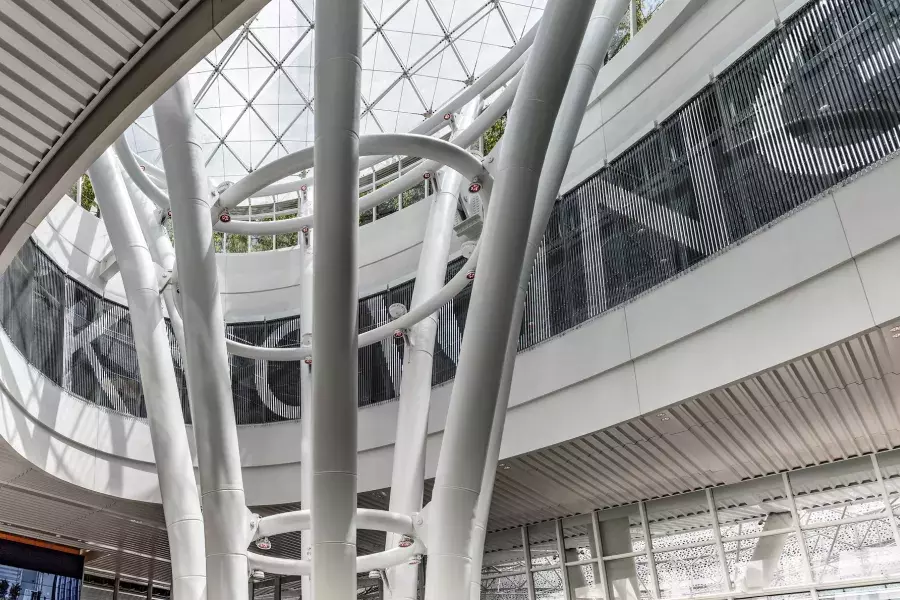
[(306, 382), (408, 473), (334, 412), (600, 30), (162, 251), (474, 397), (208, 377), (178, 487)]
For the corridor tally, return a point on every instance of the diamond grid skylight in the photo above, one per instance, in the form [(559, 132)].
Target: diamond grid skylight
[(254, 93)]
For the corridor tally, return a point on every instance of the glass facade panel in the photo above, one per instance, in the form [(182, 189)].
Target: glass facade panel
[(852, 551), (889, 465), (548, 585), (578, 536), (503, 577), (544, 548), (621, 531), (680, 520), (768, 562), (746, 508), (689, 572), (870, 592), (836, 492), (800, 596), (584, 582), (628, 578)]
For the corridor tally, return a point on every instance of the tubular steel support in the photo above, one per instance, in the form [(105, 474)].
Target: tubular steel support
[(307, 254), (474, 397), (408, 473), (208, 378), (178, 488), (600, 30), (338, 51), (161, 250)]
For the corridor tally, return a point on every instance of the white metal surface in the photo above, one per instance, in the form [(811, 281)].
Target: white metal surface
[(474, 397), (178, 488), (408, 471), (215, 432)]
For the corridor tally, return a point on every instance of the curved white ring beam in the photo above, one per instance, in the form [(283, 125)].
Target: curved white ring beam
[(409, 144), (157, 175), (366, 518), (364, 564), (130, 163), (446, 294), (304, 161)]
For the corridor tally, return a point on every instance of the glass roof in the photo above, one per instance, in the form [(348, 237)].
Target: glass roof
[(254, 93)]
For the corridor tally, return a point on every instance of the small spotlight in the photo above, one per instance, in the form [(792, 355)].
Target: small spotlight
[(225, 217), (305, 229), (308, 360), (264, 543), (303, 188), (448, 116), (397, 310), (475, 188), (426, 175), (470, 275)]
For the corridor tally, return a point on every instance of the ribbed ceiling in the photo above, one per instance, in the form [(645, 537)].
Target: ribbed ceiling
[(837, 403), (55, 56)]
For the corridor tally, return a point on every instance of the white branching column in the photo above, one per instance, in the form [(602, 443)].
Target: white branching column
[(474, 397), (208, 377), (306, 390), (601, 28), (178, 487), (408, 474), (338, 49)]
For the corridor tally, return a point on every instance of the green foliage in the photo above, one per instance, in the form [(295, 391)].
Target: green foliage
[(493, 135), (388, 207), (413, 195), (261, 243), (623, 31), (285, 240), (237, 243), (88, 199)]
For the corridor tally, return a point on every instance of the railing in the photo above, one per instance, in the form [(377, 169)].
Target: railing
[(809, 106)]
